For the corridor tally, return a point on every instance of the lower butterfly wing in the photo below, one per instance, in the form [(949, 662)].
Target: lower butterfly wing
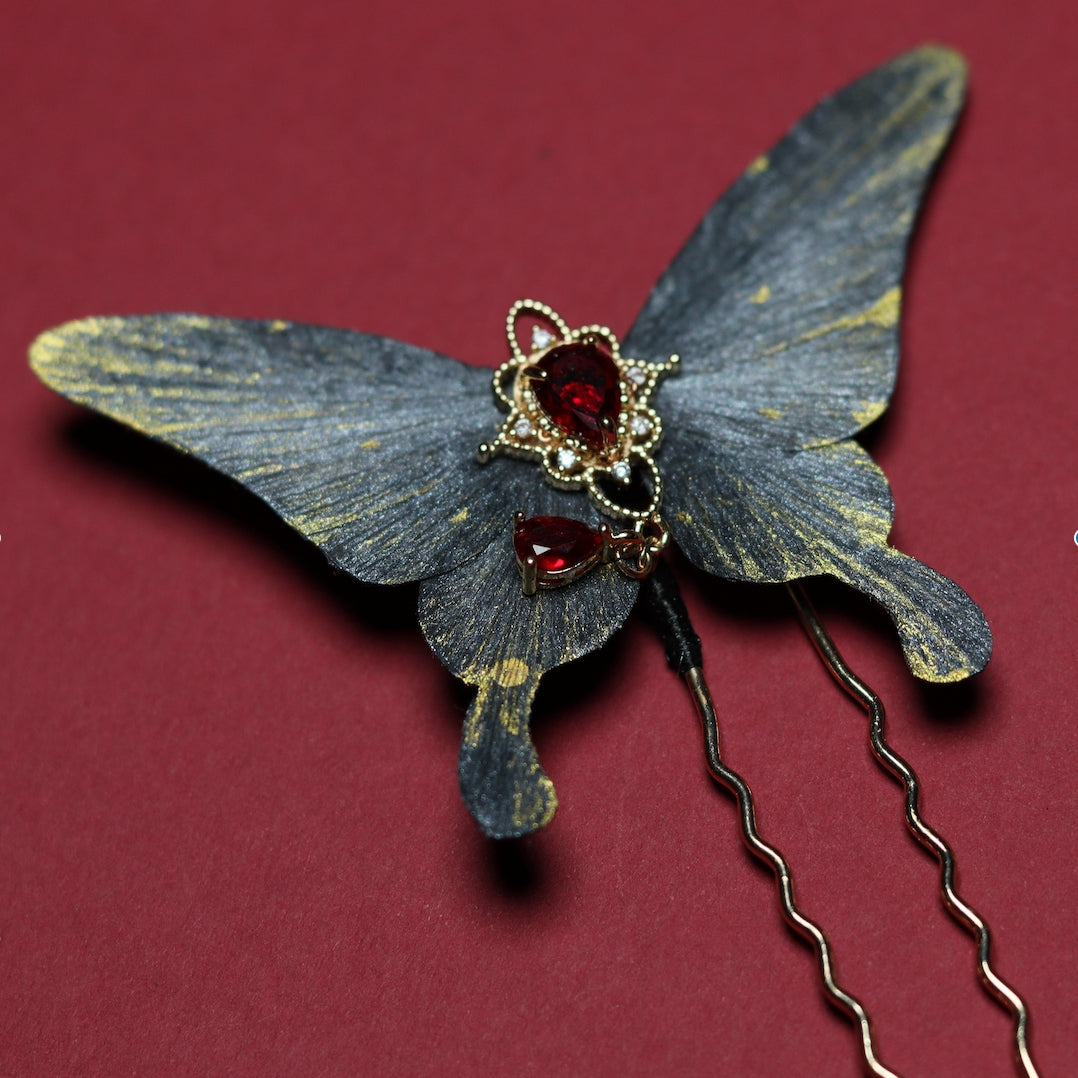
[(504, 647), (784, 304), (763, 514), (363, 444)]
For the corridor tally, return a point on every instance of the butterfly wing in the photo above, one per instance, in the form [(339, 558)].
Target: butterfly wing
[(757, 514), (487, 632), (784, 305), (364, 445)]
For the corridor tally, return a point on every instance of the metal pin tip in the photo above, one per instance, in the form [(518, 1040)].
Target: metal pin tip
[(529, 572)]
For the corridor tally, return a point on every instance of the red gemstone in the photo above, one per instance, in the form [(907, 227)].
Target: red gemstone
[(580, 390), (558, 544)]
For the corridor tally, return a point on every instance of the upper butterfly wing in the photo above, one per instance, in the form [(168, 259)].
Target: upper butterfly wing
[(363, 444), (784, 303)]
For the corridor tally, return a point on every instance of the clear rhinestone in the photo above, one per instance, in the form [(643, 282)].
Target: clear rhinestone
[(637, 375), (566, 459), (541, 338), (640, 424), (622, 472), (522, 428)]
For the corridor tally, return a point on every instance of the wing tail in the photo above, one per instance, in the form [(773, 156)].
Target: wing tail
[(944, 634), (501, 779)]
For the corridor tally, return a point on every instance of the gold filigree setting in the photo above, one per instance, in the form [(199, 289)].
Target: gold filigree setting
[(628, 440)]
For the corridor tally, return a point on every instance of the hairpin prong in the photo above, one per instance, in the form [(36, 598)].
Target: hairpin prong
[(808, 929), (683, 654), (930, 839)]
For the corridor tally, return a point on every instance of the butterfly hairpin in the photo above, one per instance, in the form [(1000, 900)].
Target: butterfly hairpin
[(535, 509)]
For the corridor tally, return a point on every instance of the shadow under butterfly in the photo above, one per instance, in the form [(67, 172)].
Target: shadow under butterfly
[(784, 308)]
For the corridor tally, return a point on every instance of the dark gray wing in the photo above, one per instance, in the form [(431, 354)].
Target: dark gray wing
[(363, 444), (760, 514), (784, 304), (487, 632)]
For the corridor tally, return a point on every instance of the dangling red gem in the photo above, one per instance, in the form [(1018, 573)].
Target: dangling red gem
[(563, 548), (580, 391)]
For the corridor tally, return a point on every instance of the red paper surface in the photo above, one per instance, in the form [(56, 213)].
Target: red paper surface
[(230, 836)]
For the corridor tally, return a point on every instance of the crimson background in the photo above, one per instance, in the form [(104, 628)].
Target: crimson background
[(230, 836)]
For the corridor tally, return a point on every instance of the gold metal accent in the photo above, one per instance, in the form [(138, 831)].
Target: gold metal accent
[(809, 930), (529, 571), (608, 543), (932, 841), (529, 567), (569, 463), (637, 552), (541, 310), (610, 431)]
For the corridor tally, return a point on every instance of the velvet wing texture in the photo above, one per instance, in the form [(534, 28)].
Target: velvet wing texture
[(784, 305), (364, 445)]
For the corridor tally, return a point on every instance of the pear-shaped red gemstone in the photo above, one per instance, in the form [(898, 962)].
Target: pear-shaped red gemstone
[(558, 544), (580, 390)]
